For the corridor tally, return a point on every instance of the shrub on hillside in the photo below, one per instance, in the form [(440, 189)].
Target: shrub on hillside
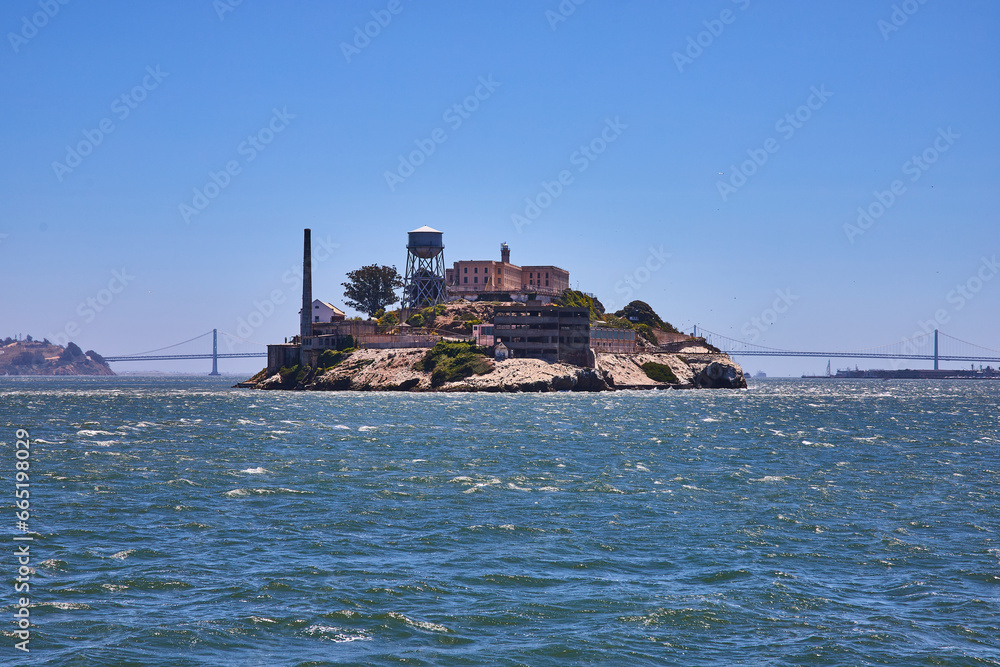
[(640, 312), (576, 299), (659, 372), (448, 362), (618, 322), (646, 332), (330, 358)]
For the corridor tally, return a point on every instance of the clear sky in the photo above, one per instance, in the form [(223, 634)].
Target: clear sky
[(716, 154)]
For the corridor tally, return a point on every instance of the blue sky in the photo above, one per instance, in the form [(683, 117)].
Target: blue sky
[(736, 138)]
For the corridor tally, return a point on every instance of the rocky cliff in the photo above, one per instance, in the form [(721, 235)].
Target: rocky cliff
[(393, 370), (44, 358)]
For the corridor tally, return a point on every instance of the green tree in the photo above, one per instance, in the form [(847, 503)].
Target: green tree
[(372, 288), (640, 312), (388, 320)]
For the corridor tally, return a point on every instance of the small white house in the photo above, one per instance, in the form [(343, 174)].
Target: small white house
[(326, 312), (500, 352)]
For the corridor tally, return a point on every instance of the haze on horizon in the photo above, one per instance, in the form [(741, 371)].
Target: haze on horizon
[(837, 159)]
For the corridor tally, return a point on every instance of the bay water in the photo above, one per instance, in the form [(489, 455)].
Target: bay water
[(178, 521)]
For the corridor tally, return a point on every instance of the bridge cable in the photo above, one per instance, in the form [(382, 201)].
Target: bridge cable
[(245, 340), (139, 354), (981, 347), (752, 346)]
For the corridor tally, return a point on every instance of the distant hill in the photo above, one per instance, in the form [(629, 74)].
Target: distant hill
[(32, 357)]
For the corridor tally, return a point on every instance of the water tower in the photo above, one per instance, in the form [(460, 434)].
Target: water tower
[(424, 283)]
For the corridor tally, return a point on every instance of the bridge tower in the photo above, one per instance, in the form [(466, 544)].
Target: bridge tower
[(935, 349), (215, 352)]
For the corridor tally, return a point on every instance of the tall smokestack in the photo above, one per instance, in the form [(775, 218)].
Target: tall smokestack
[(307, 288)]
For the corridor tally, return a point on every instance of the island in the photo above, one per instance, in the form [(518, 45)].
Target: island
[(483, 325), (452, 348), (33, 357)]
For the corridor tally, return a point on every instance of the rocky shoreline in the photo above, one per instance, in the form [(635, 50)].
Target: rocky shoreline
[(393, 370)]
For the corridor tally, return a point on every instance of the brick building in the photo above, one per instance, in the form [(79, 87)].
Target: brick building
[(470, 277)]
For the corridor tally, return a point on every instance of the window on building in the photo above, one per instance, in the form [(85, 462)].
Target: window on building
[(475, 270), (476, 279), (486, 269), (466, 279), (317, 318), (546, 283), (465, 270)]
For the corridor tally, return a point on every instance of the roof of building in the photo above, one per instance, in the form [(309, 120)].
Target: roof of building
[(425, 228), (328, 305)]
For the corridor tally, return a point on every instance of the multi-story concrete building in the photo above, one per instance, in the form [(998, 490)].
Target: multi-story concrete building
[(550, 333), (471, 277)]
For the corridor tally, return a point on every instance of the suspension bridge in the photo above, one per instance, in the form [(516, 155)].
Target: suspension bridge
[(933, 346), (214, 355)]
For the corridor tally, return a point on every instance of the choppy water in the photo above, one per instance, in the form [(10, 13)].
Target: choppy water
[(798, 523)]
